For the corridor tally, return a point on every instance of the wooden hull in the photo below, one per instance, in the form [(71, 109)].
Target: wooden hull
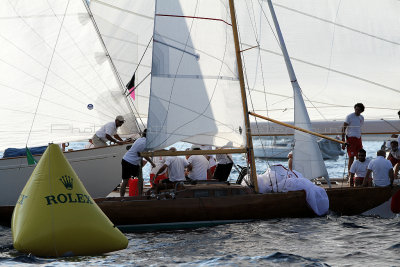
[(141, 211)]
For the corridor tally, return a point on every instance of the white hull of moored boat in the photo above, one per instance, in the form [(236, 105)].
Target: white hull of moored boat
[(99, 169)]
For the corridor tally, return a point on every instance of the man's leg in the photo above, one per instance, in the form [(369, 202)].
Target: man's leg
[(123, 187), (351, 160), (396, 170)]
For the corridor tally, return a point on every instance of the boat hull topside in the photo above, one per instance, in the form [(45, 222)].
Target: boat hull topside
[(99, 169)]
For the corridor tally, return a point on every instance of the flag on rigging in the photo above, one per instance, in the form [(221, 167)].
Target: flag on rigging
[(131, 87), (31, 160)]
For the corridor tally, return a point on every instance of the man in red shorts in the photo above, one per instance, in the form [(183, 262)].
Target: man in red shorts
[(352, 131)]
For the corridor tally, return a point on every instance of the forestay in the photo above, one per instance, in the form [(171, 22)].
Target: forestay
[(195, 93), (126, 27), (57, 83)]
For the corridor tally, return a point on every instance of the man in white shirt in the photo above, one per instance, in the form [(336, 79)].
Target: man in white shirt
[(352, 131), (198, 166), (381, 169), (359, 169), (176, 171), (131, 161), (108, 132)]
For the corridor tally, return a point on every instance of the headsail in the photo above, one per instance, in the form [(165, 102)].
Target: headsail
[(195, 94), (57, 83)]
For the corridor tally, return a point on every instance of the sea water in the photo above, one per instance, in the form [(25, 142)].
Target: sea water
[(322, 241)]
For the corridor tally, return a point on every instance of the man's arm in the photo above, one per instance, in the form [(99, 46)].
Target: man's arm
[(118, 137), (391, 176), (151, 162), (190, 167), (113, 140), (344, 134), (159, 171), (366, 178)]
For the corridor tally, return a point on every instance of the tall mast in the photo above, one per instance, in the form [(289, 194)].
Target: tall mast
[(250, 151), (298, 99)]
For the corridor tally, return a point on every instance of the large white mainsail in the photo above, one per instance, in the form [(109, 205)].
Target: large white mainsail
[(195, 92), (126, 27), (57, 83)]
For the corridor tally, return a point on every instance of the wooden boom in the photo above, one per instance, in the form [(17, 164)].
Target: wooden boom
[(192, 152), (297, 128)]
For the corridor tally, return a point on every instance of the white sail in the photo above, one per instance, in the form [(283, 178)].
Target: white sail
[(126, 27), (307, 157), (343, 52), (57, 84), (195, 92)]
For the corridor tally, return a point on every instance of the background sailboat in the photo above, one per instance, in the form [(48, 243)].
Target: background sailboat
[(57, 85)]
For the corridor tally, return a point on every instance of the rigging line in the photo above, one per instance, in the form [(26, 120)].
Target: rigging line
[(144, 53), (123, 10), (41, 38), (174, 47), (47, 73), (192, 17), (135, 87), (78, 73), (247, 81), (394, 127), (200, 52), (333, 70), (329, 64), (338, 25), (116, 74), (256, 46), (42, 81), (40, 64), (269, 23)]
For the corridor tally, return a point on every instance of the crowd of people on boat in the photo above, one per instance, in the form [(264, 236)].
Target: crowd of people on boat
[(380, 171), (166, 172)]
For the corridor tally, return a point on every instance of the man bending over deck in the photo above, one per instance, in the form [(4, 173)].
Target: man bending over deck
[(176, 171)]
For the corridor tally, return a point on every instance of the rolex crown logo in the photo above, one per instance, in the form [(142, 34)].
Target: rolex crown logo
[(67, 181)]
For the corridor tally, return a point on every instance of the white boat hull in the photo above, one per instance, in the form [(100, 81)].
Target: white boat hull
[(99, 169)]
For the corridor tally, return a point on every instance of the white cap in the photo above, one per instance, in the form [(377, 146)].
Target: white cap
[(120, 118)]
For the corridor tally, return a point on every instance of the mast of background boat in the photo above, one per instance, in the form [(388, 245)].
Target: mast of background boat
[(250, 151), (298, 98)]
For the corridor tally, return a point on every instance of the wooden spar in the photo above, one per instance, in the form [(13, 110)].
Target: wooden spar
[(250, 152), (192, 152), (297, 128)]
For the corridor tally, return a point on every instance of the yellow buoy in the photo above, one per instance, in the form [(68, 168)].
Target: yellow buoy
[(55, 216)]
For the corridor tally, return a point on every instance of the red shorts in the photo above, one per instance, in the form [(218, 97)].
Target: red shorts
[(393, 160), (158, 179), (212, 170), (354, 145)]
